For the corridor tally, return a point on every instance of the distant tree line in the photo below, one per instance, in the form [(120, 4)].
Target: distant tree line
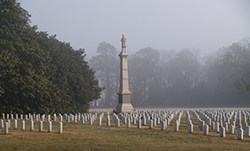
[(39, 73), (178, 78)]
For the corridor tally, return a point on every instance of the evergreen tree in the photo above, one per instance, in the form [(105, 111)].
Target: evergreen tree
[(39, 73)]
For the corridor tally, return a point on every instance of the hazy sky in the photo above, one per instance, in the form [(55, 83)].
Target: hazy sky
[(161, 24)]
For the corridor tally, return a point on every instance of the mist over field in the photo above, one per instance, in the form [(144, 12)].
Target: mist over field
[(181, 53), (62, 56)]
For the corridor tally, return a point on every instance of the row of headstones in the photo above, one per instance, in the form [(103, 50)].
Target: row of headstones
[(221, 124), (34, 117), (6, 125), (190, 125), (150, 119), (41, 118), (83, 118)]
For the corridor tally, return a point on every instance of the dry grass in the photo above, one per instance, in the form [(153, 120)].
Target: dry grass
[(86, 137)]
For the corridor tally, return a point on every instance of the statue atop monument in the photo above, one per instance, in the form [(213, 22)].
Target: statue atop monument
[(124, 43)]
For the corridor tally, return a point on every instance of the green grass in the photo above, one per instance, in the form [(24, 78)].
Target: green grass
[(87, 137)]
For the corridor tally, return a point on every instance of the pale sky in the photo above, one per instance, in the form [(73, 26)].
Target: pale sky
[(161, 24)]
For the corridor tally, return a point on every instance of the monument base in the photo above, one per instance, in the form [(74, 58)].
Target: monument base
[(124, 108)]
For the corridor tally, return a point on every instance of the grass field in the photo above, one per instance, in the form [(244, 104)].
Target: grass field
[(87, 137)]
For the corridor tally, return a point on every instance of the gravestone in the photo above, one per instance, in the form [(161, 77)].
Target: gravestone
[(190, 128), (231, 129), (8, 122), (240, 134), (117, 122), (206, 130), (100, 121), (1, 123), (151, 125), (247, 131), (176, 126), (31, 125), (108, 120), (6, 128), (222, 132), (40, 127), (23, 125), (128, 123), (15, 124), (139, 123), (60, 128), (49, 126), (217, 127)]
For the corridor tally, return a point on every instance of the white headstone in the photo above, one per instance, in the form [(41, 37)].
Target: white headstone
[(75, 119), (100, 121), (213, 126), (117, 122), (151, 124), (226, 127), (60, 128), (240, 134), (217, 127), (49, 126), (163, 125), (40, 126), (139, 123), (108, 121), (60, 118), (91, 119), (144, 120), (54, 117), (190, 128), (206, 130), (15, 124), (134, 120), (1, 123), (23, 125), (176, 126), (31, 125), (128, 123), (231, 129), (222, 132), (8, 122), (154, 122), (6, 128), (247, 131)]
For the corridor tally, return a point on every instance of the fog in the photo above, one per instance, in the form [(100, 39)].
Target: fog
[(162, 24), (181, 78), (181, 53)]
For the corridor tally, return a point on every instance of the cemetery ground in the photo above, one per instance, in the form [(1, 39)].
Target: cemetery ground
[(78, 136)]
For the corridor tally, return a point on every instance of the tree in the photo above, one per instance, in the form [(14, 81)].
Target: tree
[(35, 77), (23, 63), (142, 70), (106, 65)]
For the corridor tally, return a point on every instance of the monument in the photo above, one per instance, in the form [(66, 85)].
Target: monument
[(124, 101)]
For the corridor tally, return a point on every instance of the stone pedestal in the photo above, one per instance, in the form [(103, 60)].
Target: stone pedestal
[(124, 95), (124, 107)]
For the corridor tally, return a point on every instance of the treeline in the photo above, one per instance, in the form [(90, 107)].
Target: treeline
[(178, 78), (39, 73)]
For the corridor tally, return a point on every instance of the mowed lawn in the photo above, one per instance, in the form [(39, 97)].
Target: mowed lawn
[(77, 136)]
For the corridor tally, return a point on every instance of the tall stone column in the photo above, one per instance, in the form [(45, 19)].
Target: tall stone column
[(124, 95)]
